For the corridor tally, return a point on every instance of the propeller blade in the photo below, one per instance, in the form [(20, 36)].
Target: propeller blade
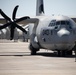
[(21, 19), (4, 15), (5, 25), (22, 29), (14, 12), (12, 28)]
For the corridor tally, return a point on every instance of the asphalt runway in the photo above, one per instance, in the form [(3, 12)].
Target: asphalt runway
[(15, 59)]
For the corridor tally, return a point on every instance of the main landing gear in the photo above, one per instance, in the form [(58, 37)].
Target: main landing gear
[(33, 50)]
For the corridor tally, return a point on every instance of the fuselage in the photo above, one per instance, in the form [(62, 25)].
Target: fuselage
[(56, 33)]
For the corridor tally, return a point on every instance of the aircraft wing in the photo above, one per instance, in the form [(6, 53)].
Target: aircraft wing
[(24, 22), (28, 21)]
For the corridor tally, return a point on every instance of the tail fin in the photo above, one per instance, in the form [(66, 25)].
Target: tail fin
[(39, 8)]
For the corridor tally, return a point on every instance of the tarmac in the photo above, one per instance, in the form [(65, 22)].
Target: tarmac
[(15, 59)]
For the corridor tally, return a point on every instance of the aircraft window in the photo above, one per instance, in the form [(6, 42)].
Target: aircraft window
[(67, 22), (52, 24), (63, 22), (58, 23)]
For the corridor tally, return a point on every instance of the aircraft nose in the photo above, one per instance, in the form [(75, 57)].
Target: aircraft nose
[(63, 33)]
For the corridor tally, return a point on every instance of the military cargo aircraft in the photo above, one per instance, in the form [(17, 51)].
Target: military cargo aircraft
[(56, 33)]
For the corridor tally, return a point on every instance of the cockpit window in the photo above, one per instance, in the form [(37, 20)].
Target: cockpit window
[(52, 23), (62, 23), (67, 22), (58, 23)]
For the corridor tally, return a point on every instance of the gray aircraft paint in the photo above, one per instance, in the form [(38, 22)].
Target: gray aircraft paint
[(60, 38)]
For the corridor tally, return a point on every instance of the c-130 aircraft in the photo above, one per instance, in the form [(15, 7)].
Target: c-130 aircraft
[(56, 33)]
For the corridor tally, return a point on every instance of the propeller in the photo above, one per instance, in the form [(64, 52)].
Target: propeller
[(13, 23)]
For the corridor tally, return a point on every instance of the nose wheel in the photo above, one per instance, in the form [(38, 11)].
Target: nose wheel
[(69, 52), (64, 53), (61, 53)]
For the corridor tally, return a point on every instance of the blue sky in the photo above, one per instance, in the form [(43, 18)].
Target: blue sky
[(28, 7)]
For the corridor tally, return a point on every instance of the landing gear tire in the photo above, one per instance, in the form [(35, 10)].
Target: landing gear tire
[(59, 53), (63, 53), (69, 52), (33, 50)]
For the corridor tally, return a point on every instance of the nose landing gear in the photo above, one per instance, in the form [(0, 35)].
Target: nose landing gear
[(64, 53), (61, 53)]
